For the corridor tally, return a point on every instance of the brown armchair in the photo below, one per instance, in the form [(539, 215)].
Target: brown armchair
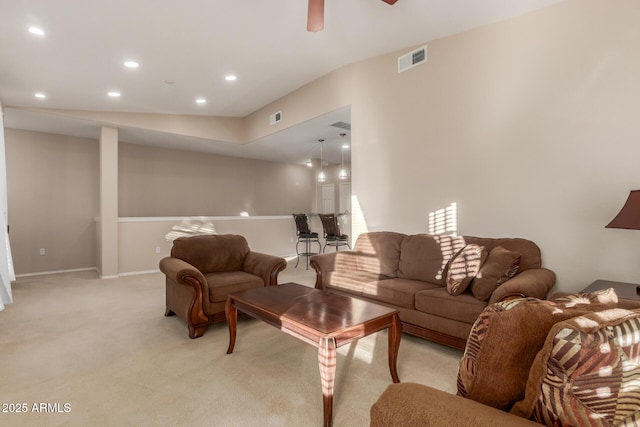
[(203, 270)]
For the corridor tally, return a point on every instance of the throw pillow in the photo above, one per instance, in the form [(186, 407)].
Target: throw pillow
[(587, 372), (464, 266), (504, 341), (500, 266), (603, 296)]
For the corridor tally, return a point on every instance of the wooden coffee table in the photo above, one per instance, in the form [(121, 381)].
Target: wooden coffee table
[(324, 320)]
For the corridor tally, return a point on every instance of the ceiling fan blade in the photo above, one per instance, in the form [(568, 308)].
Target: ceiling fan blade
[(391, 2), (315, 15)]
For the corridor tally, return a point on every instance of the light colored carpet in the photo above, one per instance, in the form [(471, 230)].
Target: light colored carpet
[(104, 348)]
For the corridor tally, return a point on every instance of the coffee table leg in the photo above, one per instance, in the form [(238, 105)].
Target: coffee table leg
[(231, 313), (395, 333), (327, 363)]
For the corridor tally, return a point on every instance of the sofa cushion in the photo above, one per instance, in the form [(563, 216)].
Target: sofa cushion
[(501, 265), (529, 251), (504, 341), (425, 256), (588, 369), (352, 281), (463, 267), (439, 302), (379, 252), (603, 296), (400, 292), (221, 284)]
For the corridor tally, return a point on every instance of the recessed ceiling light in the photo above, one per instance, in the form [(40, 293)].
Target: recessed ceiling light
[(114, 94), (230, 78), (37, 31), (131, 64), (201, 101), (40, 95)]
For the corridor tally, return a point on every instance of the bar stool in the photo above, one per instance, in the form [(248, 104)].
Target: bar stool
[(306, 236), (332, 234)]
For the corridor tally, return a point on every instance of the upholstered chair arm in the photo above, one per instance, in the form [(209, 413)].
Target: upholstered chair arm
[(535, 282), (332, 261), (184, 273), (265, 266), (410, 404)]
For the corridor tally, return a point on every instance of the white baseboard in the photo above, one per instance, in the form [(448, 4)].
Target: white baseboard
[(43, 273), (135, 273), (75, 270)]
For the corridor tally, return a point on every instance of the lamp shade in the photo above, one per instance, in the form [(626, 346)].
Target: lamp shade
[(629, 215)]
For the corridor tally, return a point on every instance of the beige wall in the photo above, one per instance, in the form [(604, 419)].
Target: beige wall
[(331, 173), (53, 198), (54, 188), (139, 238), (529, 125), (166, 182), (228, 129)]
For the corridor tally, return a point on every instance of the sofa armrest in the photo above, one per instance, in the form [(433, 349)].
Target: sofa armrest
[(410, 404), (332, 261), (265, 266), (535, 282)]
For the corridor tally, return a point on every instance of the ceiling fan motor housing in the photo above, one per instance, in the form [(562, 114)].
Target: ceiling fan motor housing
[(315, 14)]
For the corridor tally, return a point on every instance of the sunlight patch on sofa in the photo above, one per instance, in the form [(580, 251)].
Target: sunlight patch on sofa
[(605, 371), (449, 246), (604, 392)]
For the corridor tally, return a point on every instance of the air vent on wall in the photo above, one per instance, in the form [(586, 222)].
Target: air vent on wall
[(342, 125), (275, 118), (412, 59)]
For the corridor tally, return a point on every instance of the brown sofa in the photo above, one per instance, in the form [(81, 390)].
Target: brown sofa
[(203, 270), (575, 361), (412, 274)]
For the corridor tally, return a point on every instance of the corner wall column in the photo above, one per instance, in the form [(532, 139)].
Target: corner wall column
[(108, 235), (316, 203)]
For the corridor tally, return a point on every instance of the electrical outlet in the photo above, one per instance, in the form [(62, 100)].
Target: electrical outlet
[(157, 249), (43, 251)]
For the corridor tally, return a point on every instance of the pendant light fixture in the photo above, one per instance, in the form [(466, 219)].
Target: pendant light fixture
[(343, 174), (321, 176)]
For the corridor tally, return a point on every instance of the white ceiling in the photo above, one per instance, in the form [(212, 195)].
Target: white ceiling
[(196, 43)]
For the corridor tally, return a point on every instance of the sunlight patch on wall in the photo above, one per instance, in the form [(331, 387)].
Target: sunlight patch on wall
[(190, 227), (358, 221), (444, 221)]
